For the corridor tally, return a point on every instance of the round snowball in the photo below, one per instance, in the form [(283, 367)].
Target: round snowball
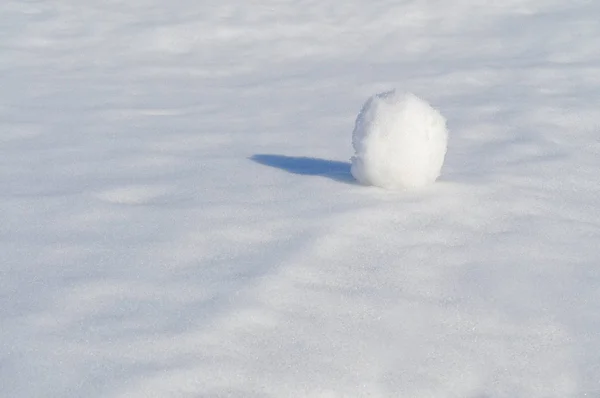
[(399, 142)]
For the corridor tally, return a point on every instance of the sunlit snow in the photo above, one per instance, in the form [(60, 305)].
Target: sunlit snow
[(178, 215)]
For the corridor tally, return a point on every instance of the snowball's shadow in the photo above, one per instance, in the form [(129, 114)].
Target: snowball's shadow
[(338, 171)]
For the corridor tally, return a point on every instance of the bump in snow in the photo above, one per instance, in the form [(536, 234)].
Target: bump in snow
[(399, 142)]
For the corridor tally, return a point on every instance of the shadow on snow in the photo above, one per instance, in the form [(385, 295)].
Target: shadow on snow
[(335, 170)]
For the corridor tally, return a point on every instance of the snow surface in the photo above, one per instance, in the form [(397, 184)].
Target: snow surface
[(399, 142), (178, 218)]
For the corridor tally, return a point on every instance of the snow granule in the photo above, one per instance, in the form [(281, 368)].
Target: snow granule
[(399, 142)]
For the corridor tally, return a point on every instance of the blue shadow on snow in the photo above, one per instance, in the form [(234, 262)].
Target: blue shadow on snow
[(338, 171)]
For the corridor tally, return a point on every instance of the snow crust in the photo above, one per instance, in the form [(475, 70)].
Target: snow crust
[(178, 216), (399, 142)]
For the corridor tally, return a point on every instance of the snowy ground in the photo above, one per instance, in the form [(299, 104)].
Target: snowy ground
[(177, 216)]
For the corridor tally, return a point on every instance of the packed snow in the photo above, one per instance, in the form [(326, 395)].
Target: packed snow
[(399, 142), (178, 216)]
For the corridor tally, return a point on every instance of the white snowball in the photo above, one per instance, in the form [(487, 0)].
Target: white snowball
[(399, 142)]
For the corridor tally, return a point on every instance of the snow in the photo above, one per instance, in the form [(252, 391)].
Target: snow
[(178, 216), (399, 142)]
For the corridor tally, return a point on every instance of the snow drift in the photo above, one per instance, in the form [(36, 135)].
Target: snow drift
[(399, 142)]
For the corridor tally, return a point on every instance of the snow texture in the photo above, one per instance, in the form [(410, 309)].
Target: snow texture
[(399, 142), (178, 218)]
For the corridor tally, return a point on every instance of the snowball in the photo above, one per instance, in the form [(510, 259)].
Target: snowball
[(399, 142)]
